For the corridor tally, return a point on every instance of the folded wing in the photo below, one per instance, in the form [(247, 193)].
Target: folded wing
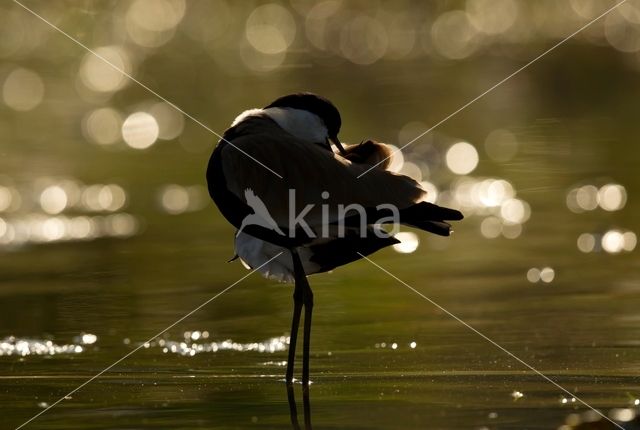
[(314, 179)]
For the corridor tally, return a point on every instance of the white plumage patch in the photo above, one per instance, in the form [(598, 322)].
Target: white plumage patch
[(246, 114), (255, 252), (300, 123)]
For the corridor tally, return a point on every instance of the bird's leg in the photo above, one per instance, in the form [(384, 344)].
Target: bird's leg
[(295, 322), (307, 297), (293, 411), (307, 408), (308, 308)]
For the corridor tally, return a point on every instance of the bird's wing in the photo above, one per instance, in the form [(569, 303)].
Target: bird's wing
[(310, 170)]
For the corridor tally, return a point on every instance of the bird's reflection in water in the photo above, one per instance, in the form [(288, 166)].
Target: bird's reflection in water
[(293, 409)]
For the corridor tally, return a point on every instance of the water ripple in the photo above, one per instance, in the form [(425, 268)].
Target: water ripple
[(190, 345), (23, 347)]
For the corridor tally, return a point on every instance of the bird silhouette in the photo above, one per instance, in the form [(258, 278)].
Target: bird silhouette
[(293, 135), (261, 215)]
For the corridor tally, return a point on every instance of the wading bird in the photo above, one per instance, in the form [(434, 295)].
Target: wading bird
[(303, 208)]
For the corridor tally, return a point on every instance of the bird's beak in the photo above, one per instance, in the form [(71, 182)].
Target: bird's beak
[(336, 142)]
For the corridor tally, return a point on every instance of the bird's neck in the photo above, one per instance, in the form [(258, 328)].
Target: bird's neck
[(301, 123)]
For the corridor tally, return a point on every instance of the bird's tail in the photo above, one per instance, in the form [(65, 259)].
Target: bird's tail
[(340, 251), (429, 217)]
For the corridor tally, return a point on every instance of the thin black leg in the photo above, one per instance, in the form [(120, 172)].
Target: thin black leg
[(308, 309), (307, 408), (301, 296), (307, 298), (295, 323), (293, 410)]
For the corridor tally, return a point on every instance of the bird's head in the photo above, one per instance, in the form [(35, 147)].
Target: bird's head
[(308, 115)]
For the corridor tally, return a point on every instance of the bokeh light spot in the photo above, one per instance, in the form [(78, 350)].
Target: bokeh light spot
[(622, 34), (6, 198), (501, 145), (432, 191), (491, 227), (98, 75), (111, 198), (170, 121), (587, 197), (629, 240), (511, 231), (174, 199), (586, 242), (613, 241), (547, 275), (364, 40), (140, 130), (270, 29), (411, 170), (156, 15), (533, 275), (23, 90), (317, 22), (453, 35), (396, 161), (53, 199), (462, 158), (515, 211), (152, 23), (492, 16), (408, 242), (401, 36), (102, 126), (612, 197)]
